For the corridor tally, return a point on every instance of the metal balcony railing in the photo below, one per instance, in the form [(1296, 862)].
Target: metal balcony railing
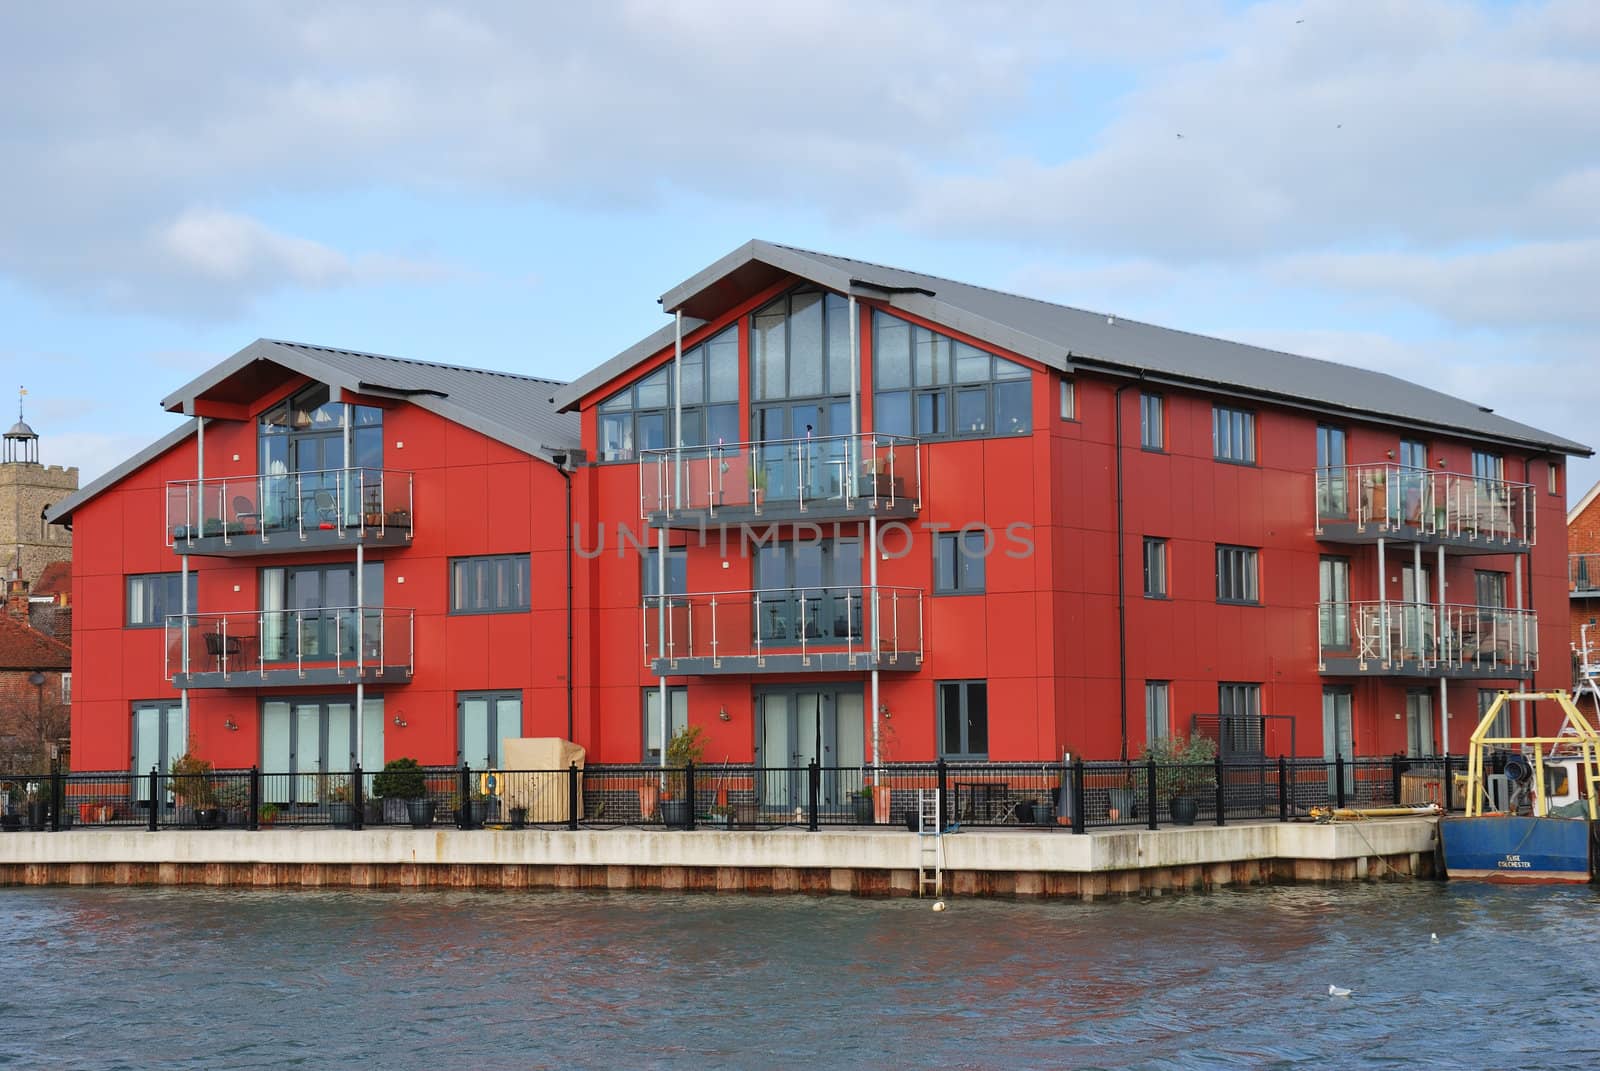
[(863, 624), (844, 471), (1583, 574), (275, 511), (323, 645), (1446, 505), (1426, 637)]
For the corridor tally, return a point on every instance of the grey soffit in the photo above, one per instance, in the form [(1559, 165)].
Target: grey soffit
[(514, 409), (1065, 338)]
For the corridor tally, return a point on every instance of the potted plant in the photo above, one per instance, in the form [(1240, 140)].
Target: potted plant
[(1183, 768), (340, 811), (685, 747), (476, 804), (192, 788), (519, 817), (267, 817), (38, 806), (861, 799), (233, 797), (722, 815), (1122, 801), (404, 791)]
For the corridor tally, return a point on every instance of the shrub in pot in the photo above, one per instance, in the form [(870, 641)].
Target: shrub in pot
[(1184, 768), (192, 787), (340, 810), (402, 781), (685, 747)]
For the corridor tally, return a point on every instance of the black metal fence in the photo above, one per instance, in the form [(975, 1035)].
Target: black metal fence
[(1069, 797)]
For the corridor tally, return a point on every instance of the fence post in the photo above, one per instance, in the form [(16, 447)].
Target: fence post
[(253, 821), (688, 794), (464, 794), (814, 776), (1338, 778), (572, 796), (1448, 787), (1283, 790), (155, 800), (943, 785), (1220, 792), (1394, 777), (1077, 795), (358, 799), (57, 797), (1150, 793)]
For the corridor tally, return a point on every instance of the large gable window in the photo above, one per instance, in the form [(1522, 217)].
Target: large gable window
[(934, 387), (639, 417)]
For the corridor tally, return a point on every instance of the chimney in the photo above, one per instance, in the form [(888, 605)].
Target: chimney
[(63, 624), (17, 599)]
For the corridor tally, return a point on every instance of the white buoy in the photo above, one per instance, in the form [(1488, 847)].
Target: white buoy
[(938, 905), (1335, 991), (1433, 937)]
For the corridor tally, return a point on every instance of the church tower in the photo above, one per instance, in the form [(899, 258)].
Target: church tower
[(27, 489)]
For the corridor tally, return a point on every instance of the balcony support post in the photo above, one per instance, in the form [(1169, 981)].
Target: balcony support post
[(1419, 601), (1383, 603), (853, 453), (661, 635), (1444, 722), (872, 570), (1521, 654), (183, 609), (361, 643), (677, 414)]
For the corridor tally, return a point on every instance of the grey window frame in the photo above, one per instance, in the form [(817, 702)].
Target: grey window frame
[(1238, 575), (1157, 710), (963, 752), (1235, 698), (1152, 422), (492, 561), (1155, 547), (172, 589), (648, 754), (494, 697), (945, 387), (677, 571), (1489, 588), (624, 403), (970, 572), (1069, 398), (1553, 474), (1487, 466), (1245, 422), (1333, 616)]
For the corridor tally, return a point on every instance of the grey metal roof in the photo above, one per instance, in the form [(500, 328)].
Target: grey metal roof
[(514, 409), (62, 510), (20, 430), (1062, 337)]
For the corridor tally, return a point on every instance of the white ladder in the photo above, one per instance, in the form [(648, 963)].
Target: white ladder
[(930, 842)]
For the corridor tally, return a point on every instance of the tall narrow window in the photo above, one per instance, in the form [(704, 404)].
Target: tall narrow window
[(1151, 435), (677, 718), (1069, 403), (1333, 608), (1332, 481), (1237, 575), (964, 720), (1239, 706), (1155, 567), (1554, 472), (1233, 435), (1157, 715)]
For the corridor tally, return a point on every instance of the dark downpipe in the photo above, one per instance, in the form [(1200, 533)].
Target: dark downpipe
[(561, 467)]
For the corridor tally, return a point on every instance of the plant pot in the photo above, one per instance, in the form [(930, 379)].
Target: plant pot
[(66, 821), (649, 799), (675, 812), (420, 812), (396, 811), (207, 817), (10, 823), (519, 818), (1184, 810), (721, 821), (746, 814), (341, 815), (1123, 801), (38, 815), (912, 822), (1025, 812), (882, 800), (863, 809)]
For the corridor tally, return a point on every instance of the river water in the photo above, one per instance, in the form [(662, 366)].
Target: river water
[(195, 978)]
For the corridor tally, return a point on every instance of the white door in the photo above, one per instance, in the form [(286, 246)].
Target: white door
[(1419, 724), (159, 737), (1337, 735)]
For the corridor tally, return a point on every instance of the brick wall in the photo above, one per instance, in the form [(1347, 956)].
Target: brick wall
[(27, 726)]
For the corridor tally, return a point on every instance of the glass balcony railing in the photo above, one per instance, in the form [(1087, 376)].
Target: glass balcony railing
[(279, 512), (1421, 637), (855, 627), (1583, 574), (833, 473), (326, 645), (1383, 499)]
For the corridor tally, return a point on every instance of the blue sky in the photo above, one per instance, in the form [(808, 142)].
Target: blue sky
[(1404, 185)]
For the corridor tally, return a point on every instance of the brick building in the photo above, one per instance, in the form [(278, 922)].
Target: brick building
[(35, 686)]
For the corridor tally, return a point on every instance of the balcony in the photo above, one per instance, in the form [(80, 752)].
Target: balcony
[(291, 648), (784, 630), (1364, 503), (836, 477), (1419, 639), (318, 510), (1583, 576)]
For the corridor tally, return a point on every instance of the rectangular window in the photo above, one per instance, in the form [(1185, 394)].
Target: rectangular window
[(490, 584), (1333, 611), (1233, 435), (1333, 499), (1237, 579), (677, 718), (483, 721), (152, 597), (1487, 466), (1502, 721), (1554, 472), (1155, 567), (1150, 432), (1413, 454), (1157, 714), (66, 687), (958, 569), (1490, 588), (932, 386), (1069, 401), (964, 720), (1240, 708), (677, 571)]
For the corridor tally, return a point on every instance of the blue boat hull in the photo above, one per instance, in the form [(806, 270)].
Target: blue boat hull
[(1516, 849)]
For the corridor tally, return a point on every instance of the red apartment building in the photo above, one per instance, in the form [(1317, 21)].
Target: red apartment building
[(905, 517), (1583, 578)]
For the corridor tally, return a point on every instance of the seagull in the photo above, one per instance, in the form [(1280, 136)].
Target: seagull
[(1335, 991), (1433, 937)]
